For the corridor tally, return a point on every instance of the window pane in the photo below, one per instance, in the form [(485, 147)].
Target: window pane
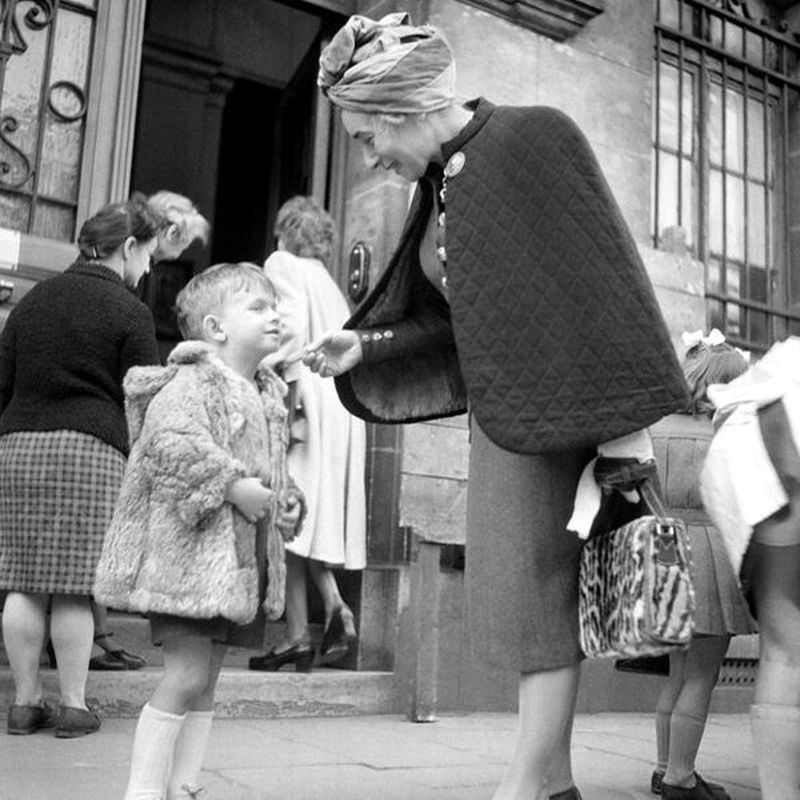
[(669, 105), (687, 220), (716, 241), (670, 12), (668, 194), (732, 280), (714, 281), (757, 233), (716, 315), (758, 325), (758, 284), (756, 152), (732, 325), (734, 217), (754, 48)]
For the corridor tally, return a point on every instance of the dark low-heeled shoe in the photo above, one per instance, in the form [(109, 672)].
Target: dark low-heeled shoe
[(568, 794), (701, 790), (299, 654), (74, 722), (114, 659), (657, 781), (339, 636), (24, 720)]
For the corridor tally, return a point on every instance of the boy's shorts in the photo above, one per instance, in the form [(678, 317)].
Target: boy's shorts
[(168, 627)]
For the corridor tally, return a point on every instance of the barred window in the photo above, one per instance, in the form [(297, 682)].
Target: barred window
[(725, 132), (45, 55)]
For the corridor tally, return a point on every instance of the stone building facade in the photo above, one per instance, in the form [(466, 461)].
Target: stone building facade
[(690, 105)]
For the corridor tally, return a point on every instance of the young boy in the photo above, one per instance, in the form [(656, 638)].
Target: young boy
[(207, 471)]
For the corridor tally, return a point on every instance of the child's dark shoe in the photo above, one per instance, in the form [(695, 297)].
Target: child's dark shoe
[(24, 720), (700, 791), (75, 722)]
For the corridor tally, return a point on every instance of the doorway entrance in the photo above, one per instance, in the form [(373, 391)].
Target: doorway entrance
[(227, 116)]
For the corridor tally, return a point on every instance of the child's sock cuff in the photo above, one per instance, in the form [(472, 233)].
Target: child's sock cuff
[(157, 713)]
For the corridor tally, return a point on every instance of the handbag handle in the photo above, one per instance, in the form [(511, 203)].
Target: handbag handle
[(628, 474)]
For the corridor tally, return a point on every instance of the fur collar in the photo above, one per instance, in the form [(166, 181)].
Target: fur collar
[(142, 384)]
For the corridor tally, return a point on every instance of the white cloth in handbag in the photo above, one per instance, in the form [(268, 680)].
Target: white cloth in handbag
[(738, 482), (588, 494)]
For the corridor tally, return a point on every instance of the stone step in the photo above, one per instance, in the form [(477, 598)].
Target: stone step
[(240, 693)]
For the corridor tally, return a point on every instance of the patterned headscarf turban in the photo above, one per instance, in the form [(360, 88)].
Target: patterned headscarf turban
[(388, 66)]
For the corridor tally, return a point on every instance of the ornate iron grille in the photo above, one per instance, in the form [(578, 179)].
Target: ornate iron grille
[(726, 114), (45, 63)]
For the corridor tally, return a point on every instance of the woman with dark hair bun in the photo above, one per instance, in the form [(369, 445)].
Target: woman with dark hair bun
[(63, 441)]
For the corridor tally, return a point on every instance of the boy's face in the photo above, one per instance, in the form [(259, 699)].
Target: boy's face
[(251, 322)]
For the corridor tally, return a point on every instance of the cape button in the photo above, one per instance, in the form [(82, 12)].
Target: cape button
[(455, 164)]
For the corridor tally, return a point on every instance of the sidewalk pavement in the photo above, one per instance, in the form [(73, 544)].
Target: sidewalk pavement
[(370, 757)]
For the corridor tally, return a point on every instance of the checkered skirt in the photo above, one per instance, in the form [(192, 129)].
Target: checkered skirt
[(57, 494)]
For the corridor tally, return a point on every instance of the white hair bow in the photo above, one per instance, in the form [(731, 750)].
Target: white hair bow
[(690, 339)]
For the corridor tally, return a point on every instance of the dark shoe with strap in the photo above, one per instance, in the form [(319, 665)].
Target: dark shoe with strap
[(24, 720), (114, 659), (656, 780), (339, 636), (700, 791), (75, 722), (300, 654), (568, 794)]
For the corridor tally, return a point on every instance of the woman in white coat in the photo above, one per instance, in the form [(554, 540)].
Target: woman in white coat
[(328, 448)]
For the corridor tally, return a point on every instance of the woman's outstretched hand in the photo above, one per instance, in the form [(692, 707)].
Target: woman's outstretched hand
[(333, 353)]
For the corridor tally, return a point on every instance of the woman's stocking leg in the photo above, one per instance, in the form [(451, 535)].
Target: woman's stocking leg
[(546, 712), (24, 626), (72, 634)]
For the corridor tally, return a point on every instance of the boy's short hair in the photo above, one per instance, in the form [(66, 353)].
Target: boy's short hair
[(207, 291)]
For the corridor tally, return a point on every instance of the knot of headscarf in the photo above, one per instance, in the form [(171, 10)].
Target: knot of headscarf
[(388, 66)]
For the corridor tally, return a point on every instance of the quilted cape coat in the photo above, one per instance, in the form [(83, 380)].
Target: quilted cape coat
[(552, 330), (174, 545)]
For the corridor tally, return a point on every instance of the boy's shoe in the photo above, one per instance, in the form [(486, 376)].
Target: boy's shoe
[(24, 720), (656, 780), (74, 722)]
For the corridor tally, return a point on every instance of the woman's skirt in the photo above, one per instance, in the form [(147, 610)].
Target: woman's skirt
[(58, 490), (521, 562)]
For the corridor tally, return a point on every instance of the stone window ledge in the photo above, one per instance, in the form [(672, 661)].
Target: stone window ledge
[(558, 19)]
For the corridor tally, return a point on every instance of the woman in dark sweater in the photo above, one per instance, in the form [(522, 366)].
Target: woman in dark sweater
[(63, 440)]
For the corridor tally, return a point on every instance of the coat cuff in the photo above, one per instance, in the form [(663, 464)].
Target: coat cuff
[(378, 344)]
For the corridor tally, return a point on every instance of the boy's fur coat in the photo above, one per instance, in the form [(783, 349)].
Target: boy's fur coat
[(174, 545)]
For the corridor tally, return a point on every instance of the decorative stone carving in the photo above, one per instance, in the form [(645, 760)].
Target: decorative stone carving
[(558, 19)]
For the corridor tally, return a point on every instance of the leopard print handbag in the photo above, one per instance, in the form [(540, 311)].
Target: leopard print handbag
[(635, 591)]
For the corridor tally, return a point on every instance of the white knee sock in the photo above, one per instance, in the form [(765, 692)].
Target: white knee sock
[(153, 746), (776, 735), (190, 750)]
